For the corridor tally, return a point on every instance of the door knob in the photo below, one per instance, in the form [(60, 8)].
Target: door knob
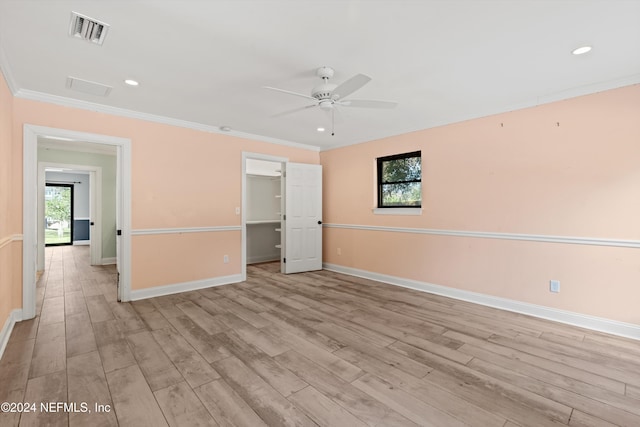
[(319, 222)]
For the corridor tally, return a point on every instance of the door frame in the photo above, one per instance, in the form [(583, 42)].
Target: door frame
[(30, 206), (256, 156), (95, 208)]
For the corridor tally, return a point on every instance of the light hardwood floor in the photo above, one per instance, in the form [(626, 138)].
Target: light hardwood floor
[(307, 349)]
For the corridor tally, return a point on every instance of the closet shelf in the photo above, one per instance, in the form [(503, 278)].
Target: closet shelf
[(263, 221)]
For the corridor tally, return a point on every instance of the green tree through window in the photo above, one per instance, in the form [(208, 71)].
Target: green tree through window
[(400, 180)]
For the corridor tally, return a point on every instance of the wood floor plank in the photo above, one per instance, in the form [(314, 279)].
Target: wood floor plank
[(274, 373), (49, 352), (133, 401), (52, 310), (299, 328), (226, 406), (50, 388), (87, 383), (423, 390), (600, 401), (201, 318), (193, 367), (535, 348), (604, 350), (322, 410), (167, 305), (274, 409), (366, 408), (79, 334), (181, 407), (14, 374), (25, 329), (99, 309), (386, 355), (74, 303), (244, 313), (326, 359), (208, 346), (560, 395), (501, 404), (266, 342), (543, 405), (402, 402), (580, 419), (116, 355), (127, 317), (153, 362), (546, 364), (633, 392)]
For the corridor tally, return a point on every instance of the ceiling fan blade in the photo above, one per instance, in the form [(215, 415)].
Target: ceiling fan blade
[(353, 84), (367, 103), (289, 92), (295, 110)]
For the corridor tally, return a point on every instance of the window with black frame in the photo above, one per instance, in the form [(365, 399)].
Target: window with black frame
[(400, 181)]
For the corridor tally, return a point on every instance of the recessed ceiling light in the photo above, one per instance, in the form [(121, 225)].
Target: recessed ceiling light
[(131, 82), (225, 128), (581, 50), (320, 129)]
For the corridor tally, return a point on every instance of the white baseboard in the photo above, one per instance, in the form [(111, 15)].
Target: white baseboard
[(183, 287), (108, 261), (81, 242), (5, 333), (627, 330)]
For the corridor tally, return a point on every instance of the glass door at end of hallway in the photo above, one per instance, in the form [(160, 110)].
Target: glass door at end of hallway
[(58, 208)]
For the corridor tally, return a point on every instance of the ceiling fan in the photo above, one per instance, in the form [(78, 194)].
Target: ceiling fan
[(327, 96)]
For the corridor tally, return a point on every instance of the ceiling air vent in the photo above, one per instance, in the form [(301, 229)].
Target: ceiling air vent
[(88, 29), (86, 86)]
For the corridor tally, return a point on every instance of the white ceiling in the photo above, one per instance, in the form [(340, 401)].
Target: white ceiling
[(205, 62)]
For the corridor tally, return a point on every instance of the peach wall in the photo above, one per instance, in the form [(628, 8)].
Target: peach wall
[(9, 267), (180, 178), (206, 253), (568, 168)]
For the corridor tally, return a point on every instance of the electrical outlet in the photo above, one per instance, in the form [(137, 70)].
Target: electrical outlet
[(339, 251), (226, 259), (237, 211), (554, 286)]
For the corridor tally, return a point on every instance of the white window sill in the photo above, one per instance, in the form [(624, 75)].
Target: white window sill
[(397, 211)]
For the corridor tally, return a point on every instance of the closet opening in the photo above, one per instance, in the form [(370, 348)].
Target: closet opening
[(263, 207)]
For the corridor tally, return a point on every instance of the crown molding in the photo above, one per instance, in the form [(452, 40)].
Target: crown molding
[(100, 108), (6, 72)]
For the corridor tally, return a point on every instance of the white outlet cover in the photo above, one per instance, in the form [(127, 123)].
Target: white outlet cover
[(554, 285)]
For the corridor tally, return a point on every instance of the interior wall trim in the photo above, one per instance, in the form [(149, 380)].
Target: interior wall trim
[(627, 330), (571, 240), (151, 231), (122, 112), (9, 239), (6, 72), (5, 332), (175, 288)]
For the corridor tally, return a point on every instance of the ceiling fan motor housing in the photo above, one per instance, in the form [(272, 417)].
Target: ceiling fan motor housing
[(323, 91)]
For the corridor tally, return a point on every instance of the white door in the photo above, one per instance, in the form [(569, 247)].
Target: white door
[(302, 219), (120, 290)]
